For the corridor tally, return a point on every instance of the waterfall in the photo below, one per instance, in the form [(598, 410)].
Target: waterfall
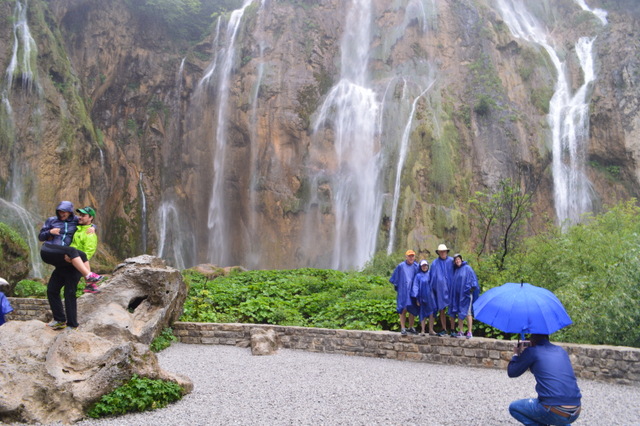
[(217, 221), (253, 251), (351, 109), (568, 116), (21, 69), (402, 155), (175, 245), (599, 13), (22, 221), (143, 214)]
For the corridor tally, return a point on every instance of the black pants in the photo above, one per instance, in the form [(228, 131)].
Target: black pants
[(54, 254), (66, 276)]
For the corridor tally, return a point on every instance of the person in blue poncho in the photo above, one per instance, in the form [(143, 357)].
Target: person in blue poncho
[(441, 275), (424, 296), (5, 307), (402, 280), (464, 290)]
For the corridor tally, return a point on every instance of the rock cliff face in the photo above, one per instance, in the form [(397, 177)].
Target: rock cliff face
[(312, 133)]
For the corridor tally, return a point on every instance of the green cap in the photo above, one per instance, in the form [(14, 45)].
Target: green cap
[(87, 210)]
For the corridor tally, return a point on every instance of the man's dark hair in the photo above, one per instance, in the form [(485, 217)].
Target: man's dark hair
[(535, 338)]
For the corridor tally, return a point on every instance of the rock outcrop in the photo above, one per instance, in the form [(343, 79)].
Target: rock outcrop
[(54, 376)]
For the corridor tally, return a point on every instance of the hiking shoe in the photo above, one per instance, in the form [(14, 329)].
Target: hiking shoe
[(433, 333), (454, 334), (91, 288), (403, 331), (442, 333), (93, 278), (469, 335), (57, 325), (460, 335), (412, 330)]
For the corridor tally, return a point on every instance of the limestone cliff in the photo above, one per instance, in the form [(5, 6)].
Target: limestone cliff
[(268, 144)]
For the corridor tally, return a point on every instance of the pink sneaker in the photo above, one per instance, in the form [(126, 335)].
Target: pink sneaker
[(93, 278), (91, 288)]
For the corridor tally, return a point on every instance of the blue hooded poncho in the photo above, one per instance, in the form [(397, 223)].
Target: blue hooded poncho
[(441, 275), (423, 293), (5, 307), (463, 287), (402, 280)]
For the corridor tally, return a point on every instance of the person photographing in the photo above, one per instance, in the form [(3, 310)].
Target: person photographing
[(558, 401)]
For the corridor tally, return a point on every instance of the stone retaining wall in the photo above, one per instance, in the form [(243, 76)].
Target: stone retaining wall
[(615, 364), (29, 309)]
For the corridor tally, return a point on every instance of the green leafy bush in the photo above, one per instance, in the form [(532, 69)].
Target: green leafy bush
[(163, 341), (138, 394), (593, 269), (303, 297), (29, 288)]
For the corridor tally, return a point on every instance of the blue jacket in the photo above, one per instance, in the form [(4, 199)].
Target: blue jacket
[(463, 285), (5, 307), (402, 280), (67, 227), (441, 276), (556, 382), (423, 293)]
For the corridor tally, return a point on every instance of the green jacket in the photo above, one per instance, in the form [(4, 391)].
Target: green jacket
[(88, 243)]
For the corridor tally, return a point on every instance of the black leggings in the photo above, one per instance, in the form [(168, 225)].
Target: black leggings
[(54, 254)]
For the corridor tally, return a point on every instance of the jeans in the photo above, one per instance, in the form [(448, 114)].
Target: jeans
[(531, 412)]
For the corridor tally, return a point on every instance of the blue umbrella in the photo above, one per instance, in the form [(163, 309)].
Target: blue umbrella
[(521, 308)]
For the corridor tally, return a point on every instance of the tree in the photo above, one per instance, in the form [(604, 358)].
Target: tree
[(501, 215)]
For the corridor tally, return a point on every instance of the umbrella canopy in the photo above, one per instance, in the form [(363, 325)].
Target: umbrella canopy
[(521, 308)]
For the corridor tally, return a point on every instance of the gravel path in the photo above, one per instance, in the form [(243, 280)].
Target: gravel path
[(296, 387)]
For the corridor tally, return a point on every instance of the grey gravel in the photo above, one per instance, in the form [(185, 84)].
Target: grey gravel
[(302, 388)]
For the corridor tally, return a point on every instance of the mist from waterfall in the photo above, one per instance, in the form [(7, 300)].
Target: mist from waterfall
[(350, 110), (143, 213), (217, 222), (252, 257), (402, 156), (568, 116), (21, 69)]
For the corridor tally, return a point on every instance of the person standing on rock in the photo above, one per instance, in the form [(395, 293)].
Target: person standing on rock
[(424, 296), (464, 290), (69, 262), (441, 276), (558, 401), (402, 280)]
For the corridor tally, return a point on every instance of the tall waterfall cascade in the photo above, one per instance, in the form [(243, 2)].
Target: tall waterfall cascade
[(22, 70), (568, 112)]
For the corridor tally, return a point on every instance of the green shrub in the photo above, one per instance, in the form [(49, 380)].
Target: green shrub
[(163, 341), (303, 297), (138, 394), (29, 288), (593, 270)]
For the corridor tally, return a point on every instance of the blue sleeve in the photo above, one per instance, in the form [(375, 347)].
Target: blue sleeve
[(44, 231), (394, 277), (5, 306), (415, 288), (520, 363)]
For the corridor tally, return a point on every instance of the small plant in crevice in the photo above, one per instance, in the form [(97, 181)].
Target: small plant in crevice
[(163, 340), (138, 394)]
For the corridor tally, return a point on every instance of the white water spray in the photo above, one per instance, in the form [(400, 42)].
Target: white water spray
[(351, 110), (402, 155), (217, 221), (599, 13), (143, 212), (568, 116)]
